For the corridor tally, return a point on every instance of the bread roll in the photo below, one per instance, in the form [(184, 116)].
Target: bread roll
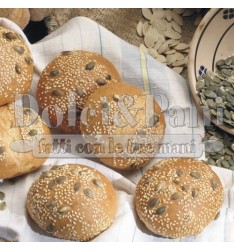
[(120, 112), (16, 63), (14, 161), (72, 202), (68, 81), (179, 197)]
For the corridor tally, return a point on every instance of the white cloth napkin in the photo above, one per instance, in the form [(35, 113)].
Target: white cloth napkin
[(147, 73)]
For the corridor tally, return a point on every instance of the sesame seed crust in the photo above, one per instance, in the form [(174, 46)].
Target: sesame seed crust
[(16, 63), (140, 132), (79, 72), (72, 202), (175, 198), (12, 162)]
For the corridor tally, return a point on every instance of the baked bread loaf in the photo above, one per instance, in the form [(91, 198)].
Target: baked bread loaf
[(179, 197), (16, 127), (16, 66), (118, 116), (68, 81), (72, 202)]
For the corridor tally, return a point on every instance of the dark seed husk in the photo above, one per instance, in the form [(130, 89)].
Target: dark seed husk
[(2, 196), (2, 150), (50, 228), (153, 202), (61, 179), (214, 184), (55, 167), (52, 184), (28, 60), (194, 193), (77, 187), (57, 92), (161, 210), (52, 203), (97, 183), (46, 174), (175, 196), (10, 36), (217, 216), (54, 72), (2, 206), (148, 179), (27, 111), (101, 81), (108, 77), (88, 192), (90, 66), (195, 175), (80, 91), (32, 132), (17, 69), (185, 187), (66, 52), (180, 172), (20, 50)]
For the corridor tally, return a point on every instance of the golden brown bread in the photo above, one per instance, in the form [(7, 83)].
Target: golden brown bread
[(14, 162), (72, 202), (132, 129), (73, 75), (179, 197), (16, 66)]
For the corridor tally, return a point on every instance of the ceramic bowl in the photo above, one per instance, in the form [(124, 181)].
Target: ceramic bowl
[(213, 40)]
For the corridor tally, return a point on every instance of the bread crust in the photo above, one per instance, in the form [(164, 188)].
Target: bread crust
[(16, 66), (179, 197), (73, 202), (134, 129), (13, 162), (74, 75)]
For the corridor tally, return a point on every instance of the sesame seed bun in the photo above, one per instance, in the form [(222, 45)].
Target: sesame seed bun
[(72, 202), (14, 161), (16, 63), (179, 197), (131, 129), (76, 72)]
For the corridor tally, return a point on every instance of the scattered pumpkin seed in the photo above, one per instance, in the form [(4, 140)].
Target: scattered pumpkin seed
[(50, 228), (2, 196), (180, 172), (161, 210), (17, 69), (61, 179), (57, 92), (10, 36), (88, 192), (175, 196), (63, 209), (194, 193), (52, 203), (97, 183), (32, 132), (214, 184), (2, 206), (195, 175), (185, 187), (77, 187), (153, 202), (90, 66), (108, 77), (20, 50), (101, 81), (46, 174), (28, 60), (54, 73)]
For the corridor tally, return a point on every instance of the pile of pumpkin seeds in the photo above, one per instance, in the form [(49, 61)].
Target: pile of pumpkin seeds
[(216, 90), (2, 202), (161, 30), (219, 147)]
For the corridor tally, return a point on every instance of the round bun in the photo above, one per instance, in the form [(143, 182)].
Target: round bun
[(15, 158), (16, 66), (72, 202), (129, 128), (68, 81), (179, 197)]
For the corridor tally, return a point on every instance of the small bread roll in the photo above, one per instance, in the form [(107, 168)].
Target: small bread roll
[(132, 130), (16, 63), (72, 202), (68, 81), (15, 158), (179, 197)]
